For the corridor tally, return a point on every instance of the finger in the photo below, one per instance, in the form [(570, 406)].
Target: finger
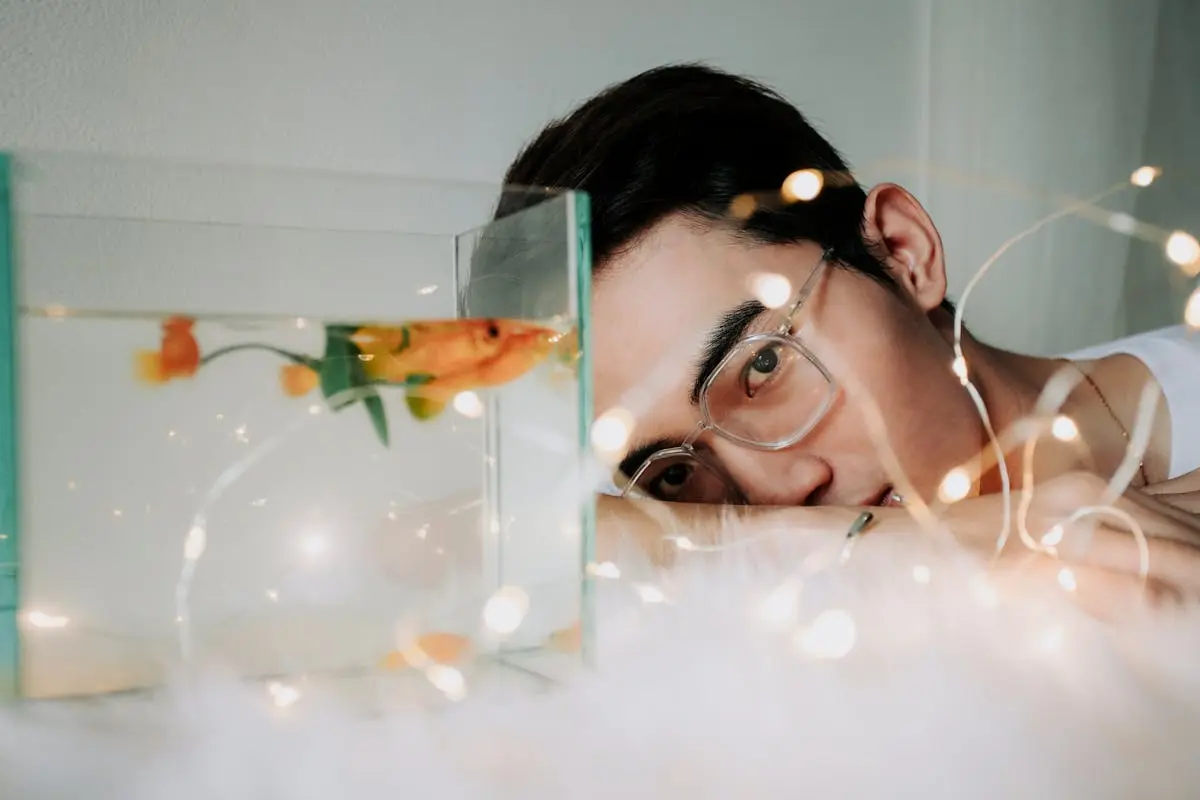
[(1106, 595), (1184, 501), (1173, 563), (1175, 516), (1182, 484)]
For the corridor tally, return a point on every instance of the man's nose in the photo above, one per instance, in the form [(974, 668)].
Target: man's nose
[(788, 477)]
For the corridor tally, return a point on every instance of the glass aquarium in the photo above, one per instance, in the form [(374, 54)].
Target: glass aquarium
[(305, 428)]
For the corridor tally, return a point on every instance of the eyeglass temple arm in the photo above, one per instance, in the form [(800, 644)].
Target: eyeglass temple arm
[(807, 287)]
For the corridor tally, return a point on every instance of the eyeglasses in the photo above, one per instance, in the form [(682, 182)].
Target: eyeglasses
[(767, 393)]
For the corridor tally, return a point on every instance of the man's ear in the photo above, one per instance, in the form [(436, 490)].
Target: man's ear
[(913, 253)]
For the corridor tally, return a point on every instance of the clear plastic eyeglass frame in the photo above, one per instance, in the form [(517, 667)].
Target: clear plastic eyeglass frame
[(782, 336)]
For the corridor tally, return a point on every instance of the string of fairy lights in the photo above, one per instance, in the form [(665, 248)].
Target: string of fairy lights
[(831, 633)]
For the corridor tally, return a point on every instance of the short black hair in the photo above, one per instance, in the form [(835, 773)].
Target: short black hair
[(692, 139)]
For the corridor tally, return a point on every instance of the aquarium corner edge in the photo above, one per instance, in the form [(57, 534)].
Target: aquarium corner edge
[(10, 660)]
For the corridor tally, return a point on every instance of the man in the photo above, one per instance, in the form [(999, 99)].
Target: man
[(776, 306)]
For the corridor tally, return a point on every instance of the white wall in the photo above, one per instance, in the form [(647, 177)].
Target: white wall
[(1156, 296), (448, 88), (1050, 96)]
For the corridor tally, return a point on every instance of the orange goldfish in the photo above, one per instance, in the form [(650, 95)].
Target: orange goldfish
[(451, 648), (178, 356), (437, 360)]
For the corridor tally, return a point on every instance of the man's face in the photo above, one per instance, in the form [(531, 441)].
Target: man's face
[(657, 306)]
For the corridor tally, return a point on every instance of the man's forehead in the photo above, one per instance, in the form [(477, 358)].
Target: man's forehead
[(656, 304)]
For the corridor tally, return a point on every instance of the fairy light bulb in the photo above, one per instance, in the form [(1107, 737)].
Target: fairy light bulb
[(611, 431), (803, 185), (1144, 176), (778, 609), (314, 547), (468, 404), (605, 569), (1051, 639), (1122, 223), (955, 486), (1183, 249), (771, 289), (506, 609), (1053, 537), (830, 636), (40, 619), (683, 543), (447, 680), (282, 694), (985, 593), (1191, 311), (650, 594), (195, 543), (922, 574), (1064, 428), (959, 366), (1066, 579)]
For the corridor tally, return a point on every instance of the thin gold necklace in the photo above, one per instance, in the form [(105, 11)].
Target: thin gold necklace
[(1115, 419)]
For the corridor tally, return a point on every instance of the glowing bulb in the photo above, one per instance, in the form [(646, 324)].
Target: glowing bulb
[(1184, 250), (611, 431), (959, 366), (1066, 579), (447, 680), (955, 486), (605, 569), (315, 546), (831, 635), (922, 574), (1122, 223), (427, 290), (803, 185), (314, 409), (272, 595), (468, 404), (283, 695), (650, 594), (1064, 428), (195, 543), (40, 619), (743, 206), (1053, 537), (771, 289), (1191, 312), (505, 610), (985, 593), (779, 608), (1144, 176), (1051, 639), (684, 543)]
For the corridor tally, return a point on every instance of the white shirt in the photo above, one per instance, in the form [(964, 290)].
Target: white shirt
[(1173, 356)]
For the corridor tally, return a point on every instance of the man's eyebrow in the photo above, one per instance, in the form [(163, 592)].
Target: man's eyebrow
[(724, 337), (632, 462)]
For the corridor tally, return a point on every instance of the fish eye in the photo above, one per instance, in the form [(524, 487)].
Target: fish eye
[(493, 330)]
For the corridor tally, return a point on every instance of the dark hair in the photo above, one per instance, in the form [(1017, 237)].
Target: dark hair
[(690, 139)]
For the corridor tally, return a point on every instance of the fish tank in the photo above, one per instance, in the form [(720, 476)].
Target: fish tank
[(307, 429)]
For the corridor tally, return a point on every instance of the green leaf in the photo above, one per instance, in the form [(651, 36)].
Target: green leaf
[(344, 380), (378, 416), (341, 370)]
